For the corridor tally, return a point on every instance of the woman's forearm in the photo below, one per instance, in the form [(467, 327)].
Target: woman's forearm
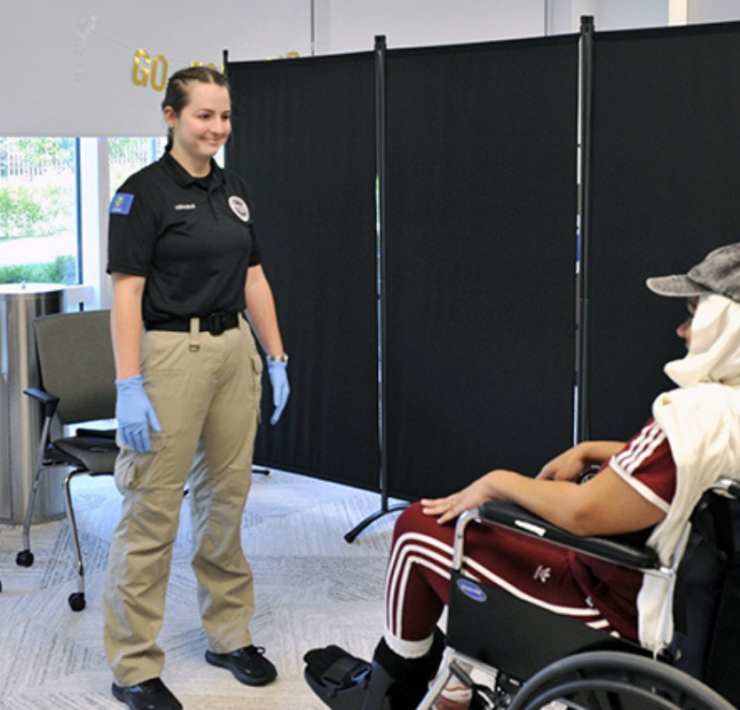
[(262, 313), (126, 324), (555, 501), (605, 505)]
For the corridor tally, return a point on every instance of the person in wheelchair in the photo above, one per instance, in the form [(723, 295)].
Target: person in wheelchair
[(644, 492)]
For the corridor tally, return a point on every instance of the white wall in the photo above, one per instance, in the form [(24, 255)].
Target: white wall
[(565, 15), (74, 62), (703, 11), (343, 26), (70, 66), (625, 14)]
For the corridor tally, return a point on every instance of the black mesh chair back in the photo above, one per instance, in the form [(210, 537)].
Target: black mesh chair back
[(76, 361), (77, 371)]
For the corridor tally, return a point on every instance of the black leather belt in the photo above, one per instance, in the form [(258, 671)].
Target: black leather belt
[(215, 324)]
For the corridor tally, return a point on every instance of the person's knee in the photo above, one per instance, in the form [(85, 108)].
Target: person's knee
[(413, 520)]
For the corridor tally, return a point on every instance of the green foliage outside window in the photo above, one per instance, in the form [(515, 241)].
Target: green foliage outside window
[(29, 211), (39, 154), (63, 270), (38, 223)]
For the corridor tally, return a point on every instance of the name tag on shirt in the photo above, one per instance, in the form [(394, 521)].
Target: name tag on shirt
[(121, 203)]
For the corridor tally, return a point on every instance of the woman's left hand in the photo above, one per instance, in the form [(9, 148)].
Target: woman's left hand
[(449, 507), (278, 372)]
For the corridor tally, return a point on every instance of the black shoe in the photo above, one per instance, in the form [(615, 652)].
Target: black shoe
[(149, 695), (344, 682), (248, 665), (338, 678)]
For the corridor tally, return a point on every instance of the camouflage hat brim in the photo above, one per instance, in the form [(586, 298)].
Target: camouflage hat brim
[(676, 285)]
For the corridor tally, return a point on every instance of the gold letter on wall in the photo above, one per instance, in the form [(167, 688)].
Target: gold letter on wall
[(159, 78), (141, 73)]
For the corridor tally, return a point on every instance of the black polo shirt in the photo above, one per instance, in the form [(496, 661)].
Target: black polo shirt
[(192, 238)]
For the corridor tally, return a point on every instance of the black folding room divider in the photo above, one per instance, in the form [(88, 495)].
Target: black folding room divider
[(482, 311), (481, 199), (665, 190), (480, 257), (304, 138)]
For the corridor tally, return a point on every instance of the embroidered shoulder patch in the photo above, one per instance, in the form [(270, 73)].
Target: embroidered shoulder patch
[(121, 203), (239, 208)]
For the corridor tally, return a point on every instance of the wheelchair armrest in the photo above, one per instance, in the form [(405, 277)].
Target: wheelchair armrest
[(729, 485), (520, 520), (49, 401)]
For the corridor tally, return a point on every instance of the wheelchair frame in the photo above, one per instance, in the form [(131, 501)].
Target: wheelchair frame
[(537, 656)]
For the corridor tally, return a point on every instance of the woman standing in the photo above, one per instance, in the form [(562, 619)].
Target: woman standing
[(185, 265)]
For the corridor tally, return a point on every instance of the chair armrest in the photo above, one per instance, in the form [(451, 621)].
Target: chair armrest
[(109, 434), (515, 518), (49, 401)]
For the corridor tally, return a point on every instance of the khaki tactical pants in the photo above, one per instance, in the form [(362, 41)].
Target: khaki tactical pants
[(206, 392)]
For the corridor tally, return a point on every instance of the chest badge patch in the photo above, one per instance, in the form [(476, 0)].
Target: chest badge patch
[(239, 208)]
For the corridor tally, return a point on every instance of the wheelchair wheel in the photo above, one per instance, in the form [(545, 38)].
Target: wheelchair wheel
[(611, 680)]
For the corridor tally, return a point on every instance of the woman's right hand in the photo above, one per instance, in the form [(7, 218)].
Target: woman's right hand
[(568, 466), (449, 507), (577, 460), (135, 414)]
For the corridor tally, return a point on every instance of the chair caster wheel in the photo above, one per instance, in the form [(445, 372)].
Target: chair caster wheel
[(76, 601), (24, 558)]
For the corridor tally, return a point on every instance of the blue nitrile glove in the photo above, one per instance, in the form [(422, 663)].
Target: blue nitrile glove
[(280, 388), (135, 413)]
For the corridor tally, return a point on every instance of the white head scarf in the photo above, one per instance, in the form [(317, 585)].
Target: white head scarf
[(702, 422), (714, 352)]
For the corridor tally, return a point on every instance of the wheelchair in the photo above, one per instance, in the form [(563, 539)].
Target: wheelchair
[(536, 659)]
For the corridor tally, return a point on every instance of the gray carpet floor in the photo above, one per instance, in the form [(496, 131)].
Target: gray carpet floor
[(313, 588)]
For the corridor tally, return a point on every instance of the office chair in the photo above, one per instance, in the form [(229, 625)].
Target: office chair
[(544, 660), (77, 370)]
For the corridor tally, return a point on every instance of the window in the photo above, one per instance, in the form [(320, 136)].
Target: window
[(54, 197), (38, 211), (127, 155)]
